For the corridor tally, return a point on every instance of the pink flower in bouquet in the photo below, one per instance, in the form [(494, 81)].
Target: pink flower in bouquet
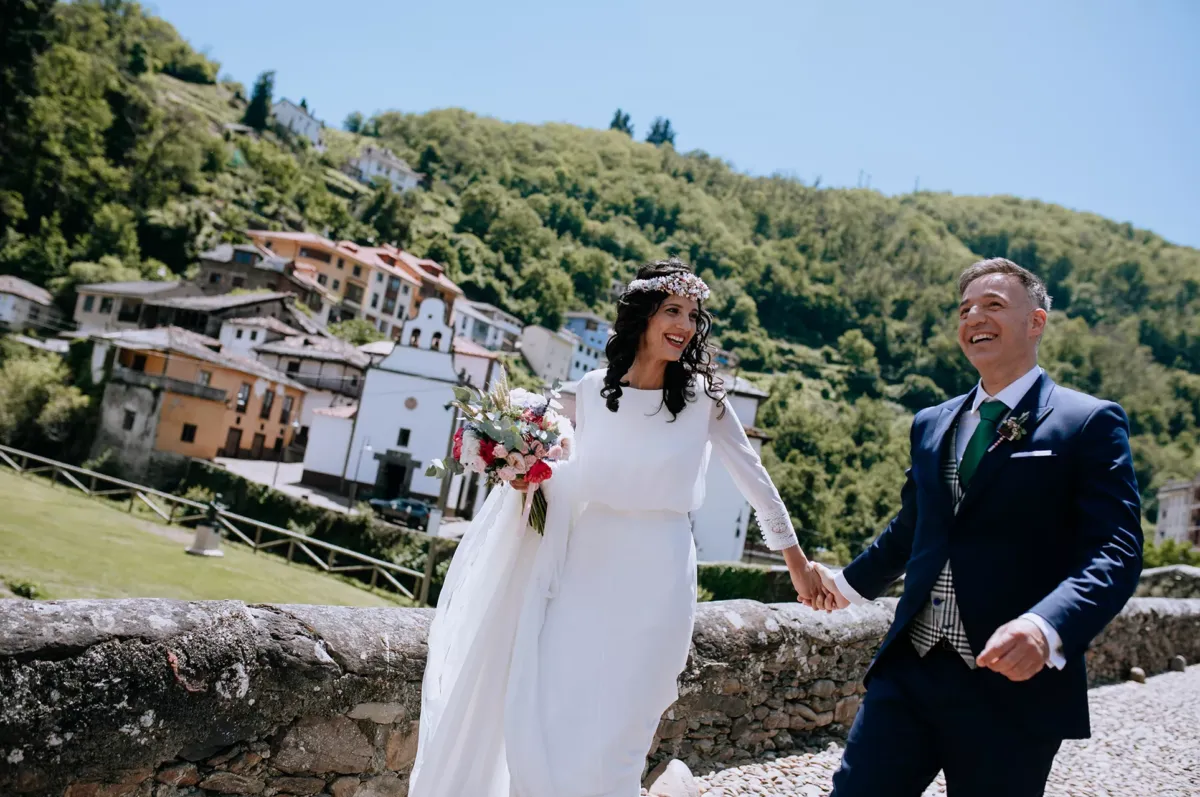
[(506, 474), (566, 445), (555, 452), (530, 461), (539, 473), (517, 462), (500, 452)]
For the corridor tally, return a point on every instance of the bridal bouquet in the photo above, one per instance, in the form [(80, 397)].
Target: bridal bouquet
[(506, 435)]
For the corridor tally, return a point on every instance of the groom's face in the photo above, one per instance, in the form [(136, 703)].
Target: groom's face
[(998, 325)]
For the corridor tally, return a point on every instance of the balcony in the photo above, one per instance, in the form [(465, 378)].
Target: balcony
[(336, 384), (170, 384)]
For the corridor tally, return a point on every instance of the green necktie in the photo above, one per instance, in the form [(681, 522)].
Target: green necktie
[(990, 413)]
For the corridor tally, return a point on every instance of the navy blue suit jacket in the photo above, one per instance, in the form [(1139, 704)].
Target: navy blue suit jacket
[(1056, 535)]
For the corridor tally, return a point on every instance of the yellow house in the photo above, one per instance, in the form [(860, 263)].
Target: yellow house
[(171, 395), (382, 284)]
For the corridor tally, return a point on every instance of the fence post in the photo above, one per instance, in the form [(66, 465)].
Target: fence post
[(257, 538), (427, 579), (374, 575), (291, 549)]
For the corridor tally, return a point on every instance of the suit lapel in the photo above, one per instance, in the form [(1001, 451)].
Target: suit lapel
[(1037, 403)]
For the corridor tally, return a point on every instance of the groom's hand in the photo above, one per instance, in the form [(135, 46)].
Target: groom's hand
[(827, 581), (1018, 650)]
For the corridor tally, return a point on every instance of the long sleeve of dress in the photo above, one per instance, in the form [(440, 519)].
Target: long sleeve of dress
[(743, 463)]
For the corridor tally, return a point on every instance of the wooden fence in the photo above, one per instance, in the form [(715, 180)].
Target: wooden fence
[(258, 536)]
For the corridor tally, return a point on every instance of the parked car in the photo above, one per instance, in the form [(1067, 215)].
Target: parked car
[(407, 511)]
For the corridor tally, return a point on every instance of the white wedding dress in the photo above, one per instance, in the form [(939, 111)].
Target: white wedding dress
[(552, 659)]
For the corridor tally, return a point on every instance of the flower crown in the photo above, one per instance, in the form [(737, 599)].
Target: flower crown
[(680, 283)]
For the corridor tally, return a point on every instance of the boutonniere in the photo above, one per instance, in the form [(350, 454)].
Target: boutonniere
[(1012, 430)]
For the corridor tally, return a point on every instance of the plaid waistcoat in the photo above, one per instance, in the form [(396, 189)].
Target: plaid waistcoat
[(939, 618)]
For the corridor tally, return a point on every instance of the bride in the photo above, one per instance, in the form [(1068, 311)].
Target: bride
[(552, 658)]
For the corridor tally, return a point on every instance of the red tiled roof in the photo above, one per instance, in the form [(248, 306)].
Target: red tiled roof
[(469, 348)]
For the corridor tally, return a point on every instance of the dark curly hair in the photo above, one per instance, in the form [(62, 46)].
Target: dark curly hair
[(634, 312)]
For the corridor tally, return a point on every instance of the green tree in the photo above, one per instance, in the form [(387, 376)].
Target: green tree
[(357, 331), (353, 122), (137, 59), (258, 112), (620, 123), (38, 409), (591, 274), (661, 132)]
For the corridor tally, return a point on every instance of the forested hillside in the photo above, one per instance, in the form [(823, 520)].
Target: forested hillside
[(116, 163)]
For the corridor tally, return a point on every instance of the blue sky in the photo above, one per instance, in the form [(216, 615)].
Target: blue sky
[(1093, 105)]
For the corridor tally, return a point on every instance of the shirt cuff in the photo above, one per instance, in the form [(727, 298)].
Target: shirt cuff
[(848, 592), (1056, 659)]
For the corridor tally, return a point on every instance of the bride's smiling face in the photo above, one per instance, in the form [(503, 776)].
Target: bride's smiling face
[(671, 329)]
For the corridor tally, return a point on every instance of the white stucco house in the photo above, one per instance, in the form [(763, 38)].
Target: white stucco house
[(374, 162), (1177, 516), (24, 305), (487, 325), (592, 333), (550, 354), (333, 370), (300, 121), (117, 306), (402, 423)]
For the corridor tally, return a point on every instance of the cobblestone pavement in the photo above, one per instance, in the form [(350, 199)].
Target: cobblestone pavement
[(1146, 741)]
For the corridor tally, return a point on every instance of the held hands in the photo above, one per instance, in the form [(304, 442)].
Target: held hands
[(827, 581), (811, 589), (1017, 650)]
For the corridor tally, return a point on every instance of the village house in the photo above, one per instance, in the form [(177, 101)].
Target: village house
[(487, 325), (241, 336), (171, 395), (300, 121), (593, 332), (374, 162), (550, 354), (251, 267), (1179, 513), (382, 447), (205, 314), (24, 305), (332, 370), (114, 306)]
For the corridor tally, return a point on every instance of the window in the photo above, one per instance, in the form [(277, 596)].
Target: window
[(245, 258), (238, 282), (286, 415), (238, 334), (341, 263), (393, 283), (354, 293), (379, 276), (357, 271), (130, 417), (337, 284), (206, 378), (35, 313), (214, 278), (267, 244), (189, 433), (436, 341), (106, 305), (278, 444), (414, 338), (374, 300), (389, 305), (139, 362), (88, 303), (402, 441), (243, 397), (293, 367), (404, 291), (322, 279), (267, 402), (254, 334), (383, 327), (317, 254)]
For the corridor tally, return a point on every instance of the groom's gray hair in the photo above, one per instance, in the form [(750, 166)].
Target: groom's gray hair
[(1002, 265)]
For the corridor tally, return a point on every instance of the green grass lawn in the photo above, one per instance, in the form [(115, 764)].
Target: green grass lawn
[(72, 546)]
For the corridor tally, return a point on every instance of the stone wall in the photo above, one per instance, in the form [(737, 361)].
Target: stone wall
[(157, 698), (1175, 581)]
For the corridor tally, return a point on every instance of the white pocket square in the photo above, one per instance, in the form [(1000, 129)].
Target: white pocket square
[(1043, 453)]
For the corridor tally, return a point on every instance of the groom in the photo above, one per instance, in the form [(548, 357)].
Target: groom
[(1019, 535)]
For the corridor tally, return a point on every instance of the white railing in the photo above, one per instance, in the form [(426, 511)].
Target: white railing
[(257, 535)]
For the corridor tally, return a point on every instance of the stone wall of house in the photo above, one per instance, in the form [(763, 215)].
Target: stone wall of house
[(158, 698), (1174, 581)]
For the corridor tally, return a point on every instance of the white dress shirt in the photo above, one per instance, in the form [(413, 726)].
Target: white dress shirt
[(967, 423)]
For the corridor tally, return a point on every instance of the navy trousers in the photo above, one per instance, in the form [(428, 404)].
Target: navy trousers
[(925, 714)]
